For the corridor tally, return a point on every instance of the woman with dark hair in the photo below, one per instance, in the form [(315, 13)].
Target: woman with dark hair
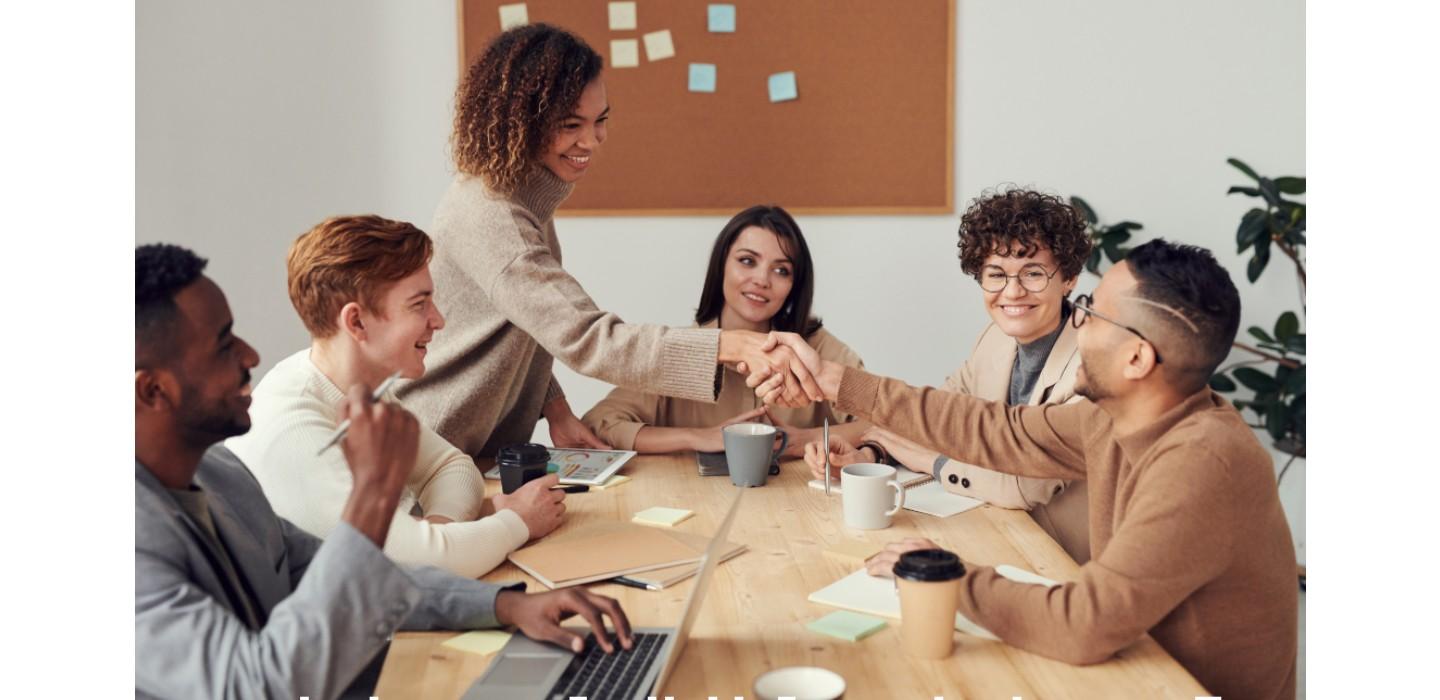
[(530, 114), (1026, 250), (760, 278)]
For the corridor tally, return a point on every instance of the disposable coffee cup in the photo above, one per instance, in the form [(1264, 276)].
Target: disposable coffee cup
[(520, 464), (749, 449), (929, 582)]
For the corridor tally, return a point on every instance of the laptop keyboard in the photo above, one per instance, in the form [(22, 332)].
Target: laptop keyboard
[(596, 675)]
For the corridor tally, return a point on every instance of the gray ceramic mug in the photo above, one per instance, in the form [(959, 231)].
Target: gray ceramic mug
[(749, 449)]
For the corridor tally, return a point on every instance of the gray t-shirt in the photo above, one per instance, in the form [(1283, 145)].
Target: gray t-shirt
[(1030, 359), (195, 503)]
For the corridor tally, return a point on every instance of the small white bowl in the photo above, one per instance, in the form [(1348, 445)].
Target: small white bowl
[(801, 683)]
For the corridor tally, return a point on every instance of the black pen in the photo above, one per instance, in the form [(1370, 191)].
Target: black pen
[(627, 581), (578, 488)]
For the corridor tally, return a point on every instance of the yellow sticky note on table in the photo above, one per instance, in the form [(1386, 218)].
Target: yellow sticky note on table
[(513, 16), (659, 45), (483, 642), (624, 53), (664, 517), (622, 15), (612, 482)]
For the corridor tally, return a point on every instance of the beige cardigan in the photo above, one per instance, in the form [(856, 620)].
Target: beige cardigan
[(1190, 542), (1059, 506), (510, 308), (617, 418)]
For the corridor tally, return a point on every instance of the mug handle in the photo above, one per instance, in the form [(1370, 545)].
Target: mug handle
[(899, 497), (784, 442)]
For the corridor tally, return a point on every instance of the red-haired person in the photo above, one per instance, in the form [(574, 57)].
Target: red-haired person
[(1026, 250), (362, 286), (531, 114)]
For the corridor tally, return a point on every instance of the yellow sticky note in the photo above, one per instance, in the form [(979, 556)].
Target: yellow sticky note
[(612, 482), (624, 53), (659, 45), (852, 552), (664, 517), (622, 15), (483, 642), (513, 16)]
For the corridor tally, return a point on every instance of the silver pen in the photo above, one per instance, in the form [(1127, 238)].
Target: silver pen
[(345, 424), (825, 435)]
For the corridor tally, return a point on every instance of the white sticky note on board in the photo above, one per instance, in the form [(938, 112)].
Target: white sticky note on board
[(622, 16), (659, 45), (624, 53), (513, 16)]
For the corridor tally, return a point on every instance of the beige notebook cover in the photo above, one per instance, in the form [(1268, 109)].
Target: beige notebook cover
[(670, 575), (602, 551)]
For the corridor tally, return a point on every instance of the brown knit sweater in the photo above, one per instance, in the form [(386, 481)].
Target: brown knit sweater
[(1189, 540), (510, 308)]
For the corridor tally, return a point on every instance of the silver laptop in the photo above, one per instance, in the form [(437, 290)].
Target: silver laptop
[(526, 668)]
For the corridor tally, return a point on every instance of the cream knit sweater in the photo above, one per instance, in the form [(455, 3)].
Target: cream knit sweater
[(294, 411), (510, 308)]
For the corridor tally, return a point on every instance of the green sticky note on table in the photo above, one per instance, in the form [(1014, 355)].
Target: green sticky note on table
[(846, 625), (483, 642), (664, 517)]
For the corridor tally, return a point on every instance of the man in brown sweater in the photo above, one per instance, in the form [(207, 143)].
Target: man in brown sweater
[(1188, 539)]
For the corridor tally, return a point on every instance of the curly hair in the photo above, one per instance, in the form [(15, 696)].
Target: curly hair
[(161, 271), (350, 258), (512, 99), (1015, 222)]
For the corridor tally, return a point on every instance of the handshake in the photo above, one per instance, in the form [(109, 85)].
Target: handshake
[(781, 367)]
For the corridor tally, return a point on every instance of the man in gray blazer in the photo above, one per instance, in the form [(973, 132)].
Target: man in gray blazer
[(230, 599)]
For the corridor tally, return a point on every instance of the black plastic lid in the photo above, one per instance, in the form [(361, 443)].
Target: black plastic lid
[(523, 453), (929, 565)]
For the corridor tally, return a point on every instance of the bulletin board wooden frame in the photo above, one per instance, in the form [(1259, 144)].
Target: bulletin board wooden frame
[(872, 132)]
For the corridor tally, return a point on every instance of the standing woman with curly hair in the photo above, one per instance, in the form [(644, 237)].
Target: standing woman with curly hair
[(530, 115), (1026, 250)]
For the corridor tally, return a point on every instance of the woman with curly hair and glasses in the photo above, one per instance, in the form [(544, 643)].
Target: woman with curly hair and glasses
[(1025, 250), (530, 116)]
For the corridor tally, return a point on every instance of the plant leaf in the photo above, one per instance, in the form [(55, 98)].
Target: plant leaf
[(1286, 326), (1260, 334), (1270, 191), (1093, 264), (1242, 168), (1257, 381), (1290, 185), (1222, 383), (1252, 226), (1295, 383), (1084, 208), (1243, 190), (1277, 419), (1296, 344), (1261, 259)]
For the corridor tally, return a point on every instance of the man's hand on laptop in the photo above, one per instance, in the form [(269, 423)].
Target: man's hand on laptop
[(539, 615)]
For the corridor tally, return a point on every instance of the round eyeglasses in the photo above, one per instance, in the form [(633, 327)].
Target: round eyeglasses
[(1032, 277)]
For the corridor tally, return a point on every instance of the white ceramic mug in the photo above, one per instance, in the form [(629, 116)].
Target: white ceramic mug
[(865, 493)]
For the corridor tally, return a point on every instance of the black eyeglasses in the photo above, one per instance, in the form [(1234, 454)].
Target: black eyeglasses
[(1083, 310), (1032, 277)]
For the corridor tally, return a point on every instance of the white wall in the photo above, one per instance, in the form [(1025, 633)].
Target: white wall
[(257, 119)]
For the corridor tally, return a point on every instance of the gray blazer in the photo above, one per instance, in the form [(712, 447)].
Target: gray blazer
[(328, 607)]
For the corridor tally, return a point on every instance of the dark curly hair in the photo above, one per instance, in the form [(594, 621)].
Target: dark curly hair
[(161, 271), (513, 98), (1018, 222)]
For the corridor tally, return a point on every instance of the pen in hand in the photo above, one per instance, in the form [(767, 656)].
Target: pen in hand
[(344, 426)]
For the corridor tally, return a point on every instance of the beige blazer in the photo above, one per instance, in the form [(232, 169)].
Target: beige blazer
[(1060, 507), (619, 416)]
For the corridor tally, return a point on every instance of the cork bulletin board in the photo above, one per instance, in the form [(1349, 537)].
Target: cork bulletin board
[(869, 130)]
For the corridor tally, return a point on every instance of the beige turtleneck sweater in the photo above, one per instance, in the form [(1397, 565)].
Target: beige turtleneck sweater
[(510, 308)]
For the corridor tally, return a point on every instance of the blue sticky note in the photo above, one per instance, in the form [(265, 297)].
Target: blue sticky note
[(782, 87), (722, 18), (702, 77)]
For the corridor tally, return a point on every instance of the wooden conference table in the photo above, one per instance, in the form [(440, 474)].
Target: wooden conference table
[(753, 618)]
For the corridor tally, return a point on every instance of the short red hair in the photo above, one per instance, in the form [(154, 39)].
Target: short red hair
[(350, 258)]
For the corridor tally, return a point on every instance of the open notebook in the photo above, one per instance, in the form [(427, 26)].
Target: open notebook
[(907, 479), (873, 595), (610, 549)]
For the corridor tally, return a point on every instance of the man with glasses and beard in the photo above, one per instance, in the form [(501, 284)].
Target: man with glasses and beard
[(230, 600), (1188, 539)]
